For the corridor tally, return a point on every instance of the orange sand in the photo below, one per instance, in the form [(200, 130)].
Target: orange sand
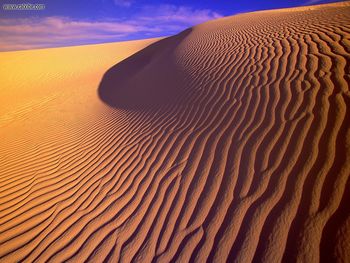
[(227, 142)]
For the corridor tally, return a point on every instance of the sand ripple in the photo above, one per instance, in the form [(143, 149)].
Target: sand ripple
[(228, 142)]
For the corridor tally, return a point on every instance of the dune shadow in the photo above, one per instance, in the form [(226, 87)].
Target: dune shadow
[(147, 80)]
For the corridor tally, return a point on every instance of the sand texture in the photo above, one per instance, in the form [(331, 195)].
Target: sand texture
[(229, 142)]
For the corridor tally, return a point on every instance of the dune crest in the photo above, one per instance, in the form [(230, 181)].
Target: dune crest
[(229, 142)]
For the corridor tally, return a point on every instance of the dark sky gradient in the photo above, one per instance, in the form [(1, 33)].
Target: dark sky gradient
[(75, 22), (97, 9)]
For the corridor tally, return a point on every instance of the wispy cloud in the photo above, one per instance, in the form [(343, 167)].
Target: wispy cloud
[(29, 33), (178, 14), (124, 3), (59, 31), (312, 2)]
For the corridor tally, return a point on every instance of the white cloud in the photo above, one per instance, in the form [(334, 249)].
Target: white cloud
[(29, 33), (59, 31), (182, 14)]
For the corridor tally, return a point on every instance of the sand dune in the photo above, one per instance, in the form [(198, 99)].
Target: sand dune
[(229, 142)]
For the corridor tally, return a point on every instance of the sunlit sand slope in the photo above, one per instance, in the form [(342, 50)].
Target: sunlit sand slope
[(229, 142)]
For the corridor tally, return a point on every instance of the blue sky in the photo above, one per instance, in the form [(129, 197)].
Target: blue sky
[(76, 22)]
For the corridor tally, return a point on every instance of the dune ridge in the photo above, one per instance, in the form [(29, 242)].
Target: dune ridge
[(229, 142)]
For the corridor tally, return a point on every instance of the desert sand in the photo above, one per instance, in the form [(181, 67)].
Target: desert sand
[(229, 142)]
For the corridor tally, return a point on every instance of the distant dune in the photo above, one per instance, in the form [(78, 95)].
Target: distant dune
[(229, 142)]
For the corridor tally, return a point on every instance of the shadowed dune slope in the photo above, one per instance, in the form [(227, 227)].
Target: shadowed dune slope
[(229, 142)]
